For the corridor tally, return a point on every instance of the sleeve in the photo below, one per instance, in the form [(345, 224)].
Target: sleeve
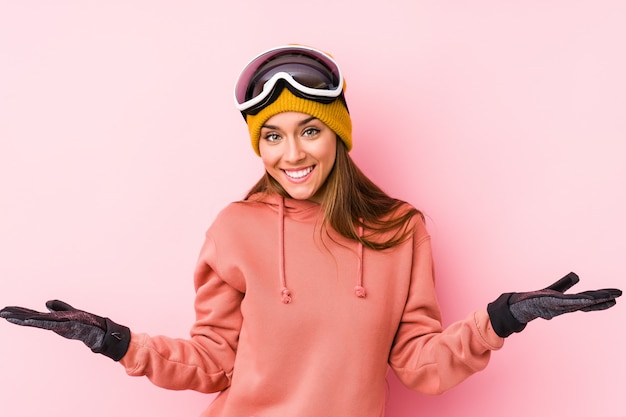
[(205, 361), (426, 357)]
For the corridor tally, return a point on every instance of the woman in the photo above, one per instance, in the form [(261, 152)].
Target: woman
[(317, 282)]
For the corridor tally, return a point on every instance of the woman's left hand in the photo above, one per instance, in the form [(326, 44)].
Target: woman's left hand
[(511, 311)]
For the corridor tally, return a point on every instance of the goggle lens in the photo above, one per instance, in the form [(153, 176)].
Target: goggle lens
[(305, 70), (310, 73)]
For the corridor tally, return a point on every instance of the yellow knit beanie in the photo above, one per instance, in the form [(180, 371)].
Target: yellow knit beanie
[(334, 115)]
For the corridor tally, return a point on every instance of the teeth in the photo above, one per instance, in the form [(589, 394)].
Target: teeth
[(299, 174)]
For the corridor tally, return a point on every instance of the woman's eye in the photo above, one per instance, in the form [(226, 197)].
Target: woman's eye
[(311, 131), (272, 137)]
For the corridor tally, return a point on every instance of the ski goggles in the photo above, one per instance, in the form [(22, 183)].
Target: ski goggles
[(307, 72)]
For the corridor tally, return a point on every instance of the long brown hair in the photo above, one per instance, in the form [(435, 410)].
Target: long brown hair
[(351, 200)]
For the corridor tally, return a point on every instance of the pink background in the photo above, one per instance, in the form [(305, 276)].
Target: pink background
[(119, 142)]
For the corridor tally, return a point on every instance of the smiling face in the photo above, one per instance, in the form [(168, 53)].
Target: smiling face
[(298, 151)]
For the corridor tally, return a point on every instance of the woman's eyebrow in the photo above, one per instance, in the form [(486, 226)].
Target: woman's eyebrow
[(303, 122)]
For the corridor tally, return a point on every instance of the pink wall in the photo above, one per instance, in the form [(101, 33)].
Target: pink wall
[(119, 142)]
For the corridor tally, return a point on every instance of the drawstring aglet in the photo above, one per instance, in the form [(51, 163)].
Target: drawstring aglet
[(359, 290), (286, 295)]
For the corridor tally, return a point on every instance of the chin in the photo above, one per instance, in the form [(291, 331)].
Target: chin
[(300, 195)]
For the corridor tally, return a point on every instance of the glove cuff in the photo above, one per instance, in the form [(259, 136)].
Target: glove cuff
[(116, 341), (502, 321)]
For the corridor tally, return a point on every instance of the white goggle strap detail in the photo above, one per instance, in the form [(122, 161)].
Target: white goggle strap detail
[(271, 83)]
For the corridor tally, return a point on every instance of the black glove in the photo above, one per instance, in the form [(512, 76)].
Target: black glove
[(511, 311), (100, 334)]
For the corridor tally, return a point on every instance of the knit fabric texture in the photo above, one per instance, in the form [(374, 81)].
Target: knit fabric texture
[(334, 115)]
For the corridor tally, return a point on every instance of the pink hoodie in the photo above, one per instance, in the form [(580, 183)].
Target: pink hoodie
[(291, 322)]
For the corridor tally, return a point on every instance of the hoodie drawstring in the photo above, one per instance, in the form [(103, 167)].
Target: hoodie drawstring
[(285, 293), (359, 290)]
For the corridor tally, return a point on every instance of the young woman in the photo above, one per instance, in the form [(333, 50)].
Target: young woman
[(316, 282)]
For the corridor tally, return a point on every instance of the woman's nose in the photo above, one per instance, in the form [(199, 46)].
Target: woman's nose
[(293, 151)]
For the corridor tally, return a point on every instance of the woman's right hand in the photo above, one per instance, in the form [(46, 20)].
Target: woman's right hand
[(100, 334)]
